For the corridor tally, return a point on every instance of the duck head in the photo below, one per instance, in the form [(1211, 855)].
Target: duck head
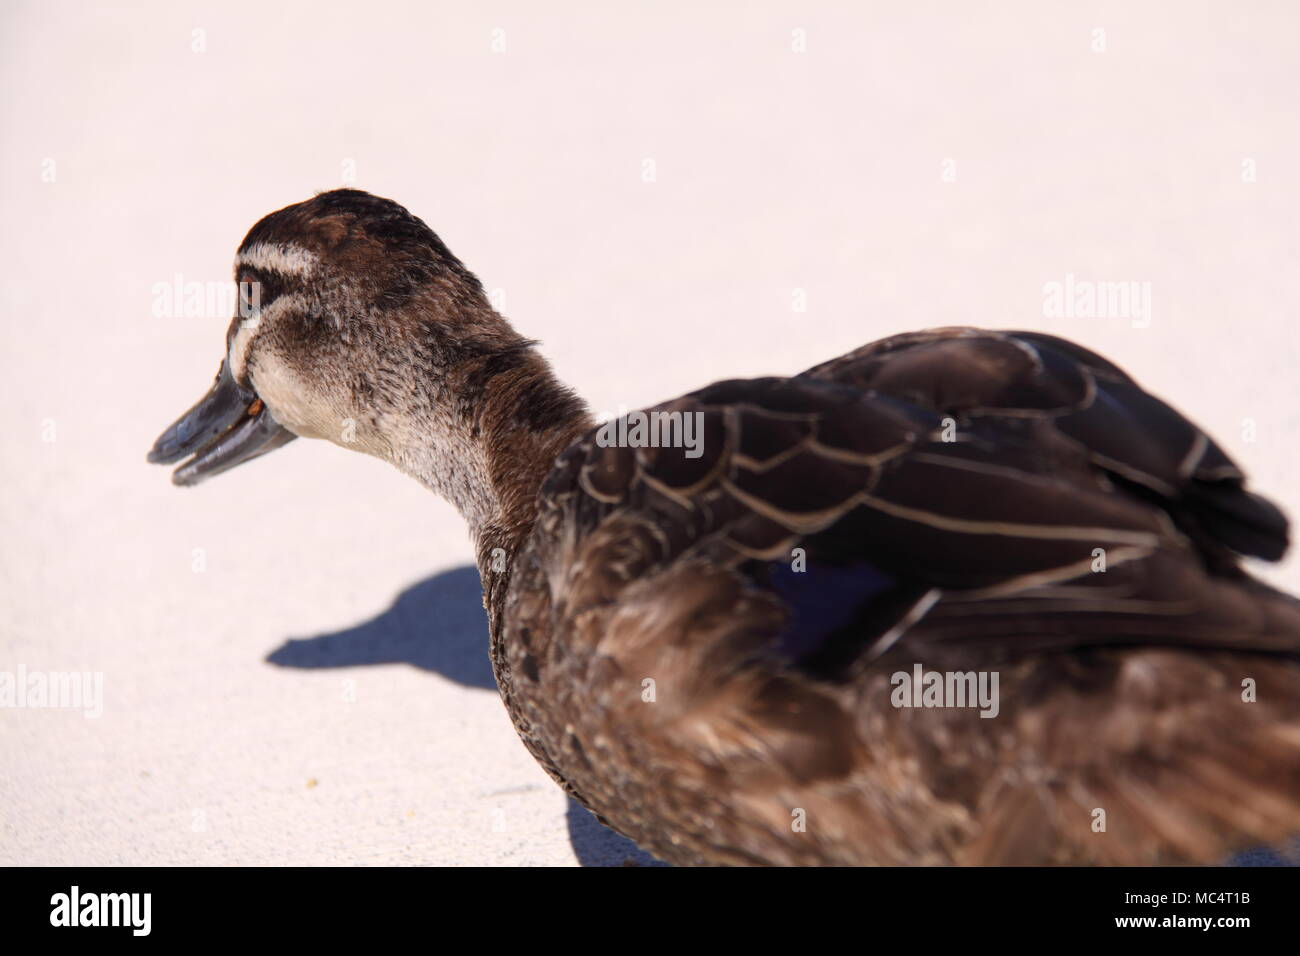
[(357, 325)]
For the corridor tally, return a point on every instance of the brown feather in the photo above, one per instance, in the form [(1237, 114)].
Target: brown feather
[(1120, 691)]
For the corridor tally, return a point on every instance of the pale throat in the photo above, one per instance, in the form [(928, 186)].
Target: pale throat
[(485, 462), (453, 468)]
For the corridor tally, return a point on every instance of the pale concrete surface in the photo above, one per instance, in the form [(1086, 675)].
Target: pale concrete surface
[(775, 171)]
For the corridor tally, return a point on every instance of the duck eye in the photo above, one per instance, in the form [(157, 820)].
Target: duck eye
[(250, 296)]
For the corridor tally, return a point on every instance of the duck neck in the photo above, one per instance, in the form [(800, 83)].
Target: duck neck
[(494, 428)]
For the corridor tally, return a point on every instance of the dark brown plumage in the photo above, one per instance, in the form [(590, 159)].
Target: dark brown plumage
[(702, 649)]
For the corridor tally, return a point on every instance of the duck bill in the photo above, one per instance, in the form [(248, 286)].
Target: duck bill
[(226, 427)]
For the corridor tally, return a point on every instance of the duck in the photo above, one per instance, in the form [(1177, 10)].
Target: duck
[(958, 597)]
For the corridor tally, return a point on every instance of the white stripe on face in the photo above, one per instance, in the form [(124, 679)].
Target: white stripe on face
[(284, 259), (242, 340)]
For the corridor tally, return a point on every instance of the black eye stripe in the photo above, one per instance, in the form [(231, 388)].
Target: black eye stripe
[(269, 286)]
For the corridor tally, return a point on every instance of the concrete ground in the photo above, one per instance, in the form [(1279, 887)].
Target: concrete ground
[(293, 656)]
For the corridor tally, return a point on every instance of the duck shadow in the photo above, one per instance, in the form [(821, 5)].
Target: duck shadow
[(436, 625), (439, 625)]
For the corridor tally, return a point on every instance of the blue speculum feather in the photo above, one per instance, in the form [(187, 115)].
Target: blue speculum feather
[(823, 599)]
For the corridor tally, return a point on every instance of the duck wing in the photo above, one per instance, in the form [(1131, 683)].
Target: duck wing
[(1049, 441), (1131, 435), (954, 485)]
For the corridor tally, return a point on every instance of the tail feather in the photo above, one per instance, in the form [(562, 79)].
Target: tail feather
[(1245, 522)]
